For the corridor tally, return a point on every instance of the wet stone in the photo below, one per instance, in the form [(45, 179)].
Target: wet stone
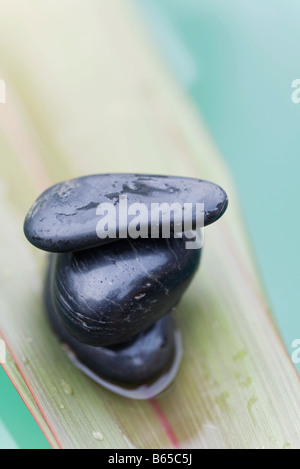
[(135, 362), (109, 300), (106, 295), (64, 218)]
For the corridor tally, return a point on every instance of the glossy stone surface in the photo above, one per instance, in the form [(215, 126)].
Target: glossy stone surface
[(64, 217), (106, 295), (109, 300), (136, 362)]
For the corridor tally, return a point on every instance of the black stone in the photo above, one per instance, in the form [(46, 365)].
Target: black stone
[(109, 300), (64, 217), (106, 295), (142, 359)]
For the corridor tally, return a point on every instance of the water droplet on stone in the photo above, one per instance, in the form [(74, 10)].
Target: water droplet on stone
[(139, 296)]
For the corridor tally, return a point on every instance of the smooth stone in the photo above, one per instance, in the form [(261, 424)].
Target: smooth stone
[(137, 362), (64, 217), (107, 295)]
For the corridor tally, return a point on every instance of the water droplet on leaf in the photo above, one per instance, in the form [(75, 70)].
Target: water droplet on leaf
[(66, 388), (98, 436)]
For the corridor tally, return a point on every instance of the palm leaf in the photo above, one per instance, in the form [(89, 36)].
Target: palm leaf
[(87, 93)]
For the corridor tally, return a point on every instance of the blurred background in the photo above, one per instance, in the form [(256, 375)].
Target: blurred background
[(237, 61)]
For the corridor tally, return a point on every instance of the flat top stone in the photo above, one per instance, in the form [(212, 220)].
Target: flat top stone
[(64, 218)]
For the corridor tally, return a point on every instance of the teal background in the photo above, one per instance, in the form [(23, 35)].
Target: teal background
[(237, 60)]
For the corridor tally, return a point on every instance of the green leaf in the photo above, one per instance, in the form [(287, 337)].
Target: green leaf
[(88, 93)]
